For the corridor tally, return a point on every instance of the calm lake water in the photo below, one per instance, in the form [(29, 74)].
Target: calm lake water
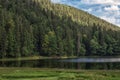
[(74, 63)]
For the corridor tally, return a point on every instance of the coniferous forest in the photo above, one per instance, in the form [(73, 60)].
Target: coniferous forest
[(39, 27)]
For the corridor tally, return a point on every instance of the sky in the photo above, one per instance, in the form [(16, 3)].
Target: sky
[(108, 10)]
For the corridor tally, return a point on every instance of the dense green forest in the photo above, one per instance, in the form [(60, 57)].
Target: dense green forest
[(39, 27)]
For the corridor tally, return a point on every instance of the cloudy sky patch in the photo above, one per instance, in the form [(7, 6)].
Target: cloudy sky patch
[(108, 10)]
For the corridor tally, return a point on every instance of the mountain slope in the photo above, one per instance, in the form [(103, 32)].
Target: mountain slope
[(39, 27), (76, 15)]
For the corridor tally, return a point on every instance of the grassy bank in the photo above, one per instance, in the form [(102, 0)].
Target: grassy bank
[(22, 58), (52, 57), (35, 58), (57, 74)]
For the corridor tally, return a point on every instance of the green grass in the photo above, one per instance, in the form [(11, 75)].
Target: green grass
[(43, 57), (52, 57), (35, 58), (57, 74)]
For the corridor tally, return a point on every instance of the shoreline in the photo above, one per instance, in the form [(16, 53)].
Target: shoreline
[(62, 57)]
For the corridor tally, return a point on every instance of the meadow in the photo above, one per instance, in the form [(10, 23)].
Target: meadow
[(57, 74)]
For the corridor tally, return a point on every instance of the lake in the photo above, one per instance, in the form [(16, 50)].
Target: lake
[(108, 63)]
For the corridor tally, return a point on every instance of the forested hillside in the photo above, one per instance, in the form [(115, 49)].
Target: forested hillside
[(39, 27)]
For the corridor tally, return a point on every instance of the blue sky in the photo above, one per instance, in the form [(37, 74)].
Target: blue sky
[(108, 10)]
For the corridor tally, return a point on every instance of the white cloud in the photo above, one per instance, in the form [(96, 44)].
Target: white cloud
[(90, 10), (112, 8), (56, 1), (115, 2)]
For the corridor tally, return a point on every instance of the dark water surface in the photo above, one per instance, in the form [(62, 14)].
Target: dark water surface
[(74, 63)]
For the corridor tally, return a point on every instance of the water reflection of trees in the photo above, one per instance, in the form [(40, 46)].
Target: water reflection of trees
[(59, 64)]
